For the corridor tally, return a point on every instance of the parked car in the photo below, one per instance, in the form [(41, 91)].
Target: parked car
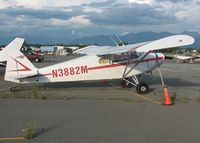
[(32, 56)]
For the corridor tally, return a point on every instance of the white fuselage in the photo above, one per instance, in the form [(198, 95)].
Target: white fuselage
[(92, 67)]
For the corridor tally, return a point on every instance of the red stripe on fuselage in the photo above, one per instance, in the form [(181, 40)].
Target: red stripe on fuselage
[(109, 66), (124, 63), (25, 67)]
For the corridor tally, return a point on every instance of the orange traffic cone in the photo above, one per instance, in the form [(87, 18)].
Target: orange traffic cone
[(167, 98)]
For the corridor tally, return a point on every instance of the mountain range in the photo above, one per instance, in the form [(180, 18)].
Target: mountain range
[(101, 40), (132, 38)]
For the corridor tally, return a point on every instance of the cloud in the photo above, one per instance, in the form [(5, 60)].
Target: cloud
[(132, 15), (79, 21), (38, 4), (124, 33), (75, 22), (182, 15), (88, 9), (90, 17), (141, 1)]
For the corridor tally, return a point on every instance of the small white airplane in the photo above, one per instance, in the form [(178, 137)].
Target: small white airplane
[(99, 63), (2, 60), (190, 59)]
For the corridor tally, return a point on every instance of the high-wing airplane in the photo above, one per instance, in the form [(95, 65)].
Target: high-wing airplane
[(99, 63), (2, 59), (189, 59)]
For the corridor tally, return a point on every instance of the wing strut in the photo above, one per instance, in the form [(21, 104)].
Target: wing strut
[(126, 72)]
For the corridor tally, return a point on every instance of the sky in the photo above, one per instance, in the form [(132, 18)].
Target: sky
[(61, 19)]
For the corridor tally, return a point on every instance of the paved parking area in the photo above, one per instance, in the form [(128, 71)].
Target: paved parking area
[(103, 111)]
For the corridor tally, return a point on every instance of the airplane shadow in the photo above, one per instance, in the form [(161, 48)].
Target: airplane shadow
[(151, 80), (82, 84)]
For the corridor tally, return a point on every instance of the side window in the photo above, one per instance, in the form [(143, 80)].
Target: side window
[(120, 57), (139, 54), (134, 55), (105, 59)]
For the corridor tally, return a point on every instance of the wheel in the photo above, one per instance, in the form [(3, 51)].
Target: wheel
[(12, 89), (125, 84), (142, 88), (37, 60)]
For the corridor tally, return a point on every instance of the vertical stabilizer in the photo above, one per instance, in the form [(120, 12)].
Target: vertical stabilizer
[(18, 66)]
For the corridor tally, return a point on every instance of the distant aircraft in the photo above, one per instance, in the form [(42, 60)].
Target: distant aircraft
[(187, 59), (103, 62), (2, 62)]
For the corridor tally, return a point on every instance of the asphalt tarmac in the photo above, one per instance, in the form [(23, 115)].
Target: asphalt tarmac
[(103, 112)]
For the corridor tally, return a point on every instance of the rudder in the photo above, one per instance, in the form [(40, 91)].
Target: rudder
[(18, 66)]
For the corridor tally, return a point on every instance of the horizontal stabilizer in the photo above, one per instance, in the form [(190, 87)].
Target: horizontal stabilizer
[(30, 75)]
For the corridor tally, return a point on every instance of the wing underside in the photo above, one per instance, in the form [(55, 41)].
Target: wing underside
[(164, 43)]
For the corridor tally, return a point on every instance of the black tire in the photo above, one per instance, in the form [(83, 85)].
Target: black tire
[(37, 60), (125, 84), (142, 88)]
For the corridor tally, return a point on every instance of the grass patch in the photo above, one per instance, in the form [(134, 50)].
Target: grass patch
[(35, 94), (29, 131), (195, 89), (198, 100), (30, 94), (184, 99), (4, 96)]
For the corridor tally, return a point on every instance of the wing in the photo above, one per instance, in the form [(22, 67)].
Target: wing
[(92, 50), (168, 42), (122, 49), (105, 50), (164, 43)]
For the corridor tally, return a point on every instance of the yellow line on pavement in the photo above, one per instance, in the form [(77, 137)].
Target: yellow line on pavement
[(139, 95), (145, 98), (12, 139)]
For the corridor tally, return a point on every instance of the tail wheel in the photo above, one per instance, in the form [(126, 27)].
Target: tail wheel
[(126, 84), (142, 88), (13, 89)]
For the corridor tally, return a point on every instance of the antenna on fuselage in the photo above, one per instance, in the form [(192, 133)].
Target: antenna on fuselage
[(119, 40), (114, 41)]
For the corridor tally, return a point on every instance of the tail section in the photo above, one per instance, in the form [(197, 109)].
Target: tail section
[(18, 66), (11, 48)]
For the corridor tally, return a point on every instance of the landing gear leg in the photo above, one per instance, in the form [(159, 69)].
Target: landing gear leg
[(127, 83), (141, 87)]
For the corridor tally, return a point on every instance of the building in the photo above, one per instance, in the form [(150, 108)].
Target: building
[(57, 50), (47, 49), (71, 49)]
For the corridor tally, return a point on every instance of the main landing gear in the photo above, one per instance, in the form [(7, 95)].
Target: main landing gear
[(141, 87)]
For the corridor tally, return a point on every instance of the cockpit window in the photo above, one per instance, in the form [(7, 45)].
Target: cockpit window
[(120, 57)]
